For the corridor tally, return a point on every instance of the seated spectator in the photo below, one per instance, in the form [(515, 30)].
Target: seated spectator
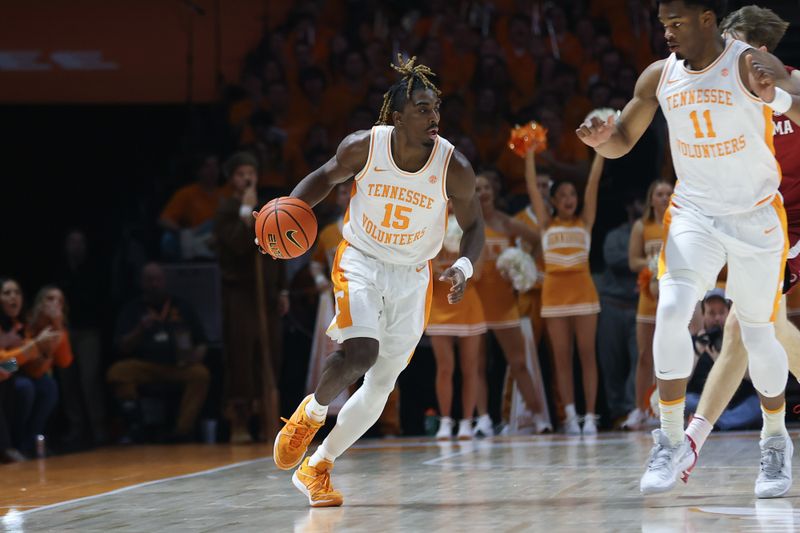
[(33, 400), (744, 410), (8, 454), (161, 340), (37, 391), (188, 216)]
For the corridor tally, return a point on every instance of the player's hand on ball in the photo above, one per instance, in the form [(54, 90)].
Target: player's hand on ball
[(260, 248), (456, 277)]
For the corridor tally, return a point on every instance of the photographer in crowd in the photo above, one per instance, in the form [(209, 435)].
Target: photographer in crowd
[(744, 410)]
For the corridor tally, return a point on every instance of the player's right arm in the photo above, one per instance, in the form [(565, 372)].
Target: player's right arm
[(350, 158), (613, 139)]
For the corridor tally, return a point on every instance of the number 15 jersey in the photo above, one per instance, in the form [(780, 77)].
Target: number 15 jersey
[(720, 136), (397, 216)]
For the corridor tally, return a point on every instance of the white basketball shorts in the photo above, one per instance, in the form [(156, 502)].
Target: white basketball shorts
[(380, 300), (753, 244)]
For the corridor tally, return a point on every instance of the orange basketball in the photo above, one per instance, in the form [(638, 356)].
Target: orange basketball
[(286, 227)]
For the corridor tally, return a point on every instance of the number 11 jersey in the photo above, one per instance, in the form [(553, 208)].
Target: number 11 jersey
[(720, 136)]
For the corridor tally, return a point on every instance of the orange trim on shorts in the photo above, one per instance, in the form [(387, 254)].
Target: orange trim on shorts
[(340, 285), (777, 203), (428, 301), (671, 402)]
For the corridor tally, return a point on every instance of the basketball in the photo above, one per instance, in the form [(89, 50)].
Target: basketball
[(286, 227)]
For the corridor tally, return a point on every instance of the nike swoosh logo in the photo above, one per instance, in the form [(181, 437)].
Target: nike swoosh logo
[(423, 267), (670, 82), (770, 230), (376, 169), (290, 236)]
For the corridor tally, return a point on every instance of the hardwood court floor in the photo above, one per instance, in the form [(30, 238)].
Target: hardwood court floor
[(551, 484)]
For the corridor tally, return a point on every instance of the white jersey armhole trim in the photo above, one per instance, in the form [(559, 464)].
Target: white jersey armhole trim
[(364, 170), (664, 71), (444, 172), (739, 81)]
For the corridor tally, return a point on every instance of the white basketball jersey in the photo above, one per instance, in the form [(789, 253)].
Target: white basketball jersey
[(720, 136), (398, 216)]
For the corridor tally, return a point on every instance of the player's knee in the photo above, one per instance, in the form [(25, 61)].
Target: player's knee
[(768, 363)]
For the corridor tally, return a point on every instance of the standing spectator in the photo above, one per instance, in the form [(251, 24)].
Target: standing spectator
[(161, 340), (81, 383), (33, 400), (187, 219), (252, 305), (647, 236), (569, 298), (616, 333)]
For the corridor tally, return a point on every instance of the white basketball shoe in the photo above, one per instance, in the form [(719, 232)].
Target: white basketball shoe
[(775, 478), (667, 462)]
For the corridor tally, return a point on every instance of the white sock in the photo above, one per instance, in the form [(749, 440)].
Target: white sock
[(315, 411), (672, 419), (699, 429), (774, 422), (320, 455), (569, 411)]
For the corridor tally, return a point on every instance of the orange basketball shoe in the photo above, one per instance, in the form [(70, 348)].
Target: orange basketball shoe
[(315, 482), (292, 442)]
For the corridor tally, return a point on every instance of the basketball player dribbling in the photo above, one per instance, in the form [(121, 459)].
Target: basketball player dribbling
[(382, 281), (718, 99), (758, 27)]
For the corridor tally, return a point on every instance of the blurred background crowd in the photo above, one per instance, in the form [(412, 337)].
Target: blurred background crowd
[(136, 306)]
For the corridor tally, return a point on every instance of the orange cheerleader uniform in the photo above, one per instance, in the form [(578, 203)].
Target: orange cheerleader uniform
[(653, 236), (530, 302), (568, 287), (327, 243), (496, 293), (464, 319)]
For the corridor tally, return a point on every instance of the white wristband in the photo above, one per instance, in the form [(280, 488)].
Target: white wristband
[(782, 101), (245, 211), (465, 266)]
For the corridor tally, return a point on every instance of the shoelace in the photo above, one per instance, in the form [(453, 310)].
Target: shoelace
[(772, 462), (659, 457), (321, 483), (299, 433)]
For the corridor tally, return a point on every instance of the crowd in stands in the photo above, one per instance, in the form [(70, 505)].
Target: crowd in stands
[(320, 72)]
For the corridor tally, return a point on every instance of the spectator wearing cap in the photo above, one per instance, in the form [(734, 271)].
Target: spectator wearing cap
[(744, 409)]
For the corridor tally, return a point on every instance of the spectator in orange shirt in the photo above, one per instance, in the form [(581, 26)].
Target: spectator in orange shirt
[(34, 399), (564, 45), (187, 219), (520, 61), (37, 391)]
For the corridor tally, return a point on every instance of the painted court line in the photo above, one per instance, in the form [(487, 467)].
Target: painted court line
[(145, 484)]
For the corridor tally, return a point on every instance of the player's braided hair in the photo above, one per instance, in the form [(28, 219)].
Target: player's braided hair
[(415, 76)]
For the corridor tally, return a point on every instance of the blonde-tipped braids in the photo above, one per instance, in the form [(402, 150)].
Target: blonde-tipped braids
[(414, 76)]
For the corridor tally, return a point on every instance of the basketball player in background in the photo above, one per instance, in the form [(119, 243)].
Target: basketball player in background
[(718, 99), (758, 27), (395, 224)]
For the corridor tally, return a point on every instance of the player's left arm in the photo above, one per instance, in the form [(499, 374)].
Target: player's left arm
[(765, 75), (461, 191)]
